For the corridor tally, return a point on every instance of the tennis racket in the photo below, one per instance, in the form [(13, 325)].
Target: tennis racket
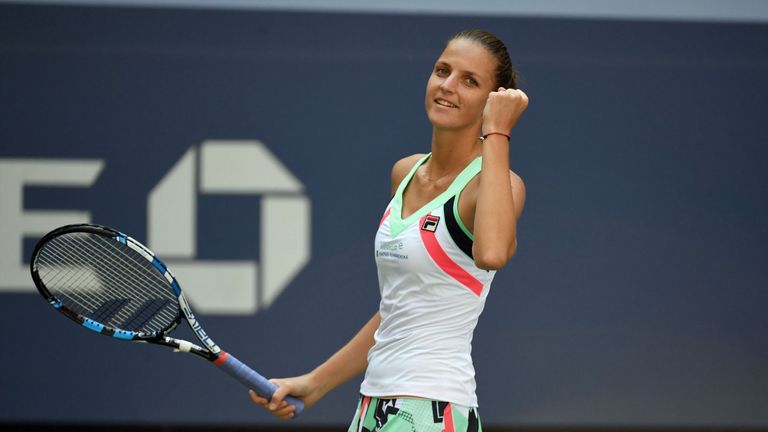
[(112, 284)]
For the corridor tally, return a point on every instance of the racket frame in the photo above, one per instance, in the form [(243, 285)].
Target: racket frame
[(209, 350)]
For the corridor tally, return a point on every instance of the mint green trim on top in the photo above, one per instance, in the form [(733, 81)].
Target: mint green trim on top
[(398, 224), (458, 218)]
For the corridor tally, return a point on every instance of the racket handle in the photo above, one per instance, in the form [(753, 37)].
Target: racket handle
[(253, 380)]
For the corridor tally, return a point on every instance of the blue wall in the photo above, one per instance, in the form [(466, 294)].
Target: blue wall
[(639, 291)]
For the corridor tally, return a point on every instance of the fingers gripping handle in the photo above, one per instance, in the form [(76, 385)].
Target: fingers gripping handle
[(241, 372)]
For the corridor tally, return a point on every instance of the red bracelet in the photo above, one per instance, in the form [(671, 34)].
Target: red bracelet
[(484, 137)]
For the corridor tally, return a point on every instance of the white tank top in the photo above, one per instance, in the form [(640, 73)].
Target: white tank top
[(432, 294)]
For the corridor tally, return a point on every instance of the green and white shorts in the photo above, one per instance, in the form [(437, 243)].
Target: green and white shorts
[(413, 415)]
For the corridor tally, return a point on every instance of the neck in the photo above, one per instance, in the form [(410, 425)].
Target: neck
[(453, 148)]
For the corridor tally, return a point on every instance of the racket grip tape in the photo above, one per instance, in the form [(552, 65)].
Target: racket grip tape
[(253, 380)]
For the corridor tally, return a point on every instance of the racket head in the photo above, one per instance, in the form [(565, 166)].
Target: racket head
[(107, 282)]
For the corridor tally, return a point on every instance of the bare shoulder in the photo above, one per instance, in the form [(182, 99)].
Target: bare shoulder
[(402, 168)]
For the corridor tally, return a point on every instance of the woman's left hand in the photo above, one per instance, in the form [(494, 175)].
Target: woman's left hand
[(502, 109)]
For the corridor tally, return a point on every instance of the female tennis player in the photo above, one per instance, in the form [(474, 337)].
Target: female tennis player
[(450, 225)]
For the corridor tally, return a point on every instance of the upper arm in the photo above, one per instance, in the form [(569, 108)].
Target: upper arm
[(468, 201), (518, 193), (401, 169)]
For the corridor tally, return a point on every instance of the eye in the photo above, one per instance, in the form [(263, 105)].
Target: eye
[(442, 71), (471, 82)]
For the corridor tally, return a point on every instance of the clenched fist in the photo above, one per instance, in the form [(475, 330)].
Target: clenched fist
[(502, 109)]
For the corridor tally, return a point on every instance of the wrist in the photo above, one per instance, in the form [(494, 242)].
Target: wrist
[(494, 133)]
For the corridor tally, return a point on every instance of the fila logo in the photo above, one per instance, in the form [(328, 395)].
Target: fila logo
[(430, 223)]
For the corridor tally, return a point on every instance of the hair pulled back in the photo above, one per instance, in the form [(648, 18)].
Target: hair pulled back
[(506, 75)]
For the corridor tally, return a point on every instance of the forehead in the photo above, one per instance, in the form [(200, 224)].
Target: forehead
[(469, 56)]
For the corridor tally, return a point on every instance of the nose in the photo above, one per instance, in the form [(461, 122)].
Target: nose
[(449, 84)]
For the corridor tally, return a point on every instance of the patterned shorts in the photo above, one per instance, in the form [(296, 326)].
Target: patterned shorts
[(413, 415)]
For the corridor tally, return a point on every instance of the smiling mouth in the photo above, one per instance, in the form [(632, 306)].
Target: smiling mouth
[(445, 103)]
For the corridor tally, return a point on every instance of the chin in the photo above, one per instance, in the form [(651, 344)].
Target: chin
[(443, 121)]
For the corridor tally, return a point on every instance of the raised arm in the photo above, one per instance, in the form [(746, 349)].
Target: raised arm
[(500, 193)]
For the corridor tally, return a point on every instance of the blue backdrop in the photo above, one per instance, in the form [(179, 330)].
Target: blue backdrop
[(638, 293)]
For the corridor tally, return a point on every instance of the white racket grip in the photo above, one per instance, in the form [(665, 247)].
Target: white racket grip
[(253, 380)]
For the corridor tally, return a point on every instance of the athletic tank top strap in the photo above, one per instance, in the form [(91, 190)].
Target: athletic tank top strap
[(459, 233), (398, 224)]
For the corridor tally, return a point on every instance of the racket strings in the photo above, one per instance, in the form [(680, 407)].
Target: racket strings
[(125, 269), (144, 285), (79, 280), (82, 284), (68, 283), (97, 300), (71, 276), (108, 282), (108, 310)]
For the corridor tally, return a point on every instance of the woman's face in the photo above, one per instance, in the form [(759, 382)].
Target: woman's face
[(459, 85)]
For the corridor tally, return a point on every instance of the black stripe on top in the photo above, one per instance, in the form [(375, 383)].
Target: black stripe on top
[(458, 235)]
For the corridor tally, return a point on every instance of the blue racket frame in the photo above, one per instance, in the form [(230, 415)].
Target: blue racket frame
[(209, 350)]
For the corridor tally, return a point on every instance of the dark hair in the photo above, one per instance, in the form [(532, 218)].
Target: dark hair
[(506, 75)]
